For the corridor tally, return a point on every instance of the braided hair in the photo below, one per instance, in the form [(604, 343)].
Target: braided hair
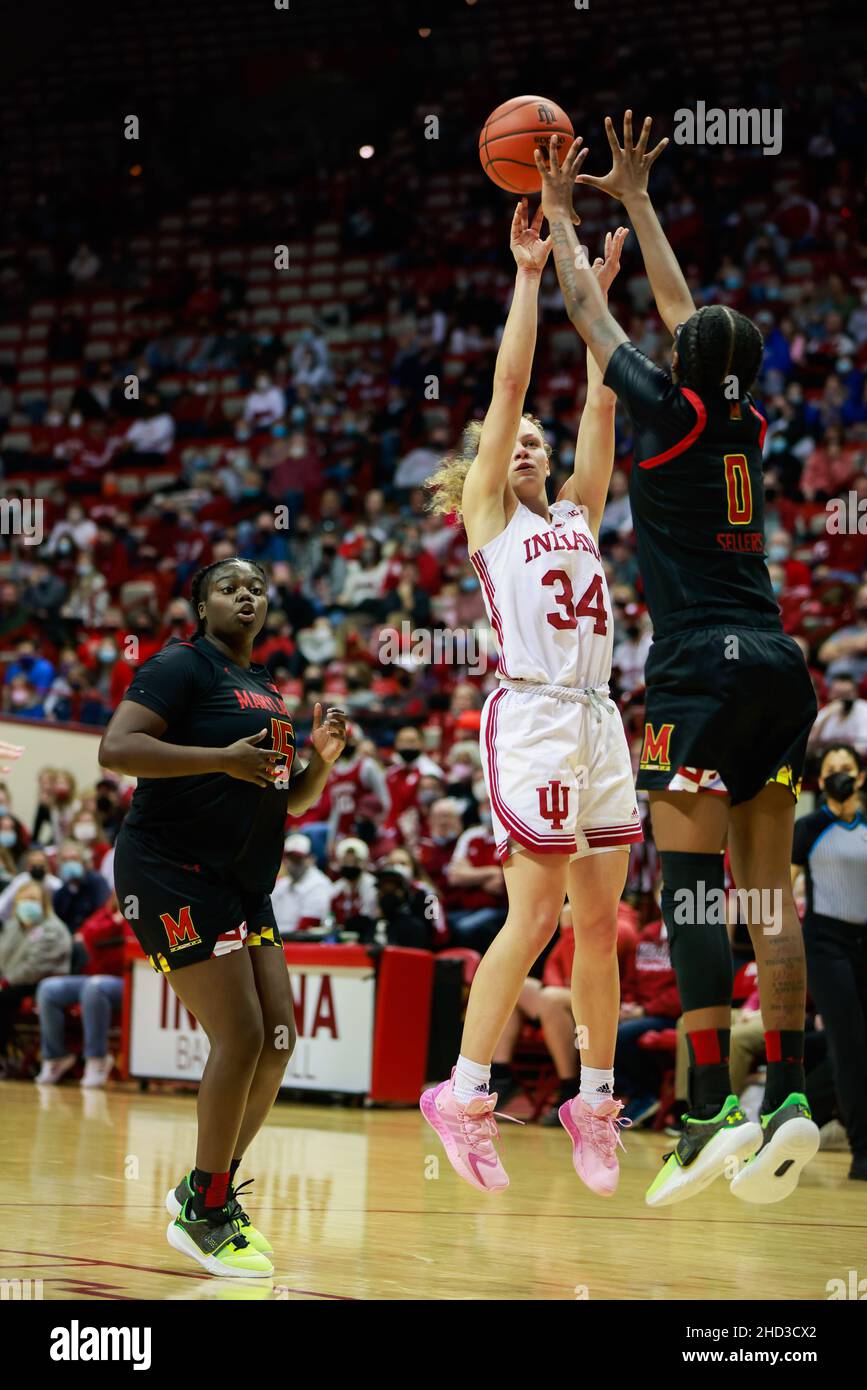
[(716, 343), (201, 585)]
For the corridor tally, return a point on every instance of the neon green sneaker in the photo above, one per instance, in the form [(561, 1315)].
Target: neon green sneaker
[(183, 1193), (215, 1241), (790, 1139), (704, 1150)]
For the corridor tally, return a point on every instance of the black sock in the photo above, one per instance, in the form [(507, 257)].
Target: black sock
[(709, 1080), (233, 1168), (210, 1191), (785, 1053)]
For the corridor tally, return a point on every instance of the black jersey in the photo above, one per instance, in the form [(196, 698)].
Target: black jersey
[(208, 701), (697, 495)]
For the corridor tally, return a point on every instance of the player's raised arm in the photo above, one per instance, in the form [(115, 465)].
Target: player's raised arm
[(594, 448), (582, 294), (488, 475), (627, 180)]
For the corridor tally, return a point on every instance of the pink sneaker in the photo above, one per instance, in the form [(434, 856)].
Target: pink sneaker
[(595, 1134), (468, 1133)]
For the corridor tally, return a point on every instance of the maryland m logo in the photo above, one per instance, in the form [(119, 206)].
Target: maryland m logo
[(180, 933), (554, 803), (655, 756)]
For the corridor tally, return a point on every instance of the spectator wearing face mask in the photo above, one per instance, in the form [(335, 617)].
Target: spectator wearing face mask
[(844, 718), (110, 809), (302, 894), (35, 870), (85, 829), (436, 848), (22, 839), (779, 552), (98, 989), (463, 765), (353, 895), (37, 670), (33, 944), (476, 897), (82, 890), (630, 653), (12, 845), (830, 851), (409, 765)]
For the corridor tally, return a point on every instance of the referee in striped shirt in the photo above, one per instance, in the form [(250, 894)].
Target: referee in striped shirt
[(830, 850)]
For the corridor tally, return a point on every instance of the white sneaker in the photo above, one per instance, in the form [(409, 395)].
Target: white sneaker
[(53, 1068), (97, 1070)]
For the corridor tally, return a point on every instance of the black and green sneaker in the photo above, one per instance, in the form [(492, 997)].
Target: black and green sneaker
[(703, 1152), (216, 1242), (790, 1138), (183, 1192)]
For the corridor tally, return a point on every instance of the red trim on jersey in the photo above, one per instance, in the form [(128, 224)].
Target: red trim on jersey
[(688, 439), (479, 563), (540, 844), (764, 426)]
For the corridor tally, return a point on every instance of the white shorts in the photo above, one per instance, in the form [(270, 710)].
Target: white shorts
[(558, 773)]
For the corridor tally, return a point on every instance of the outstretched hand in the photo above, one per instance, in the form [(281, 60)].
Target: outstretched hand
[(558, 181), (631, 165), (606, 268), (529, 249)]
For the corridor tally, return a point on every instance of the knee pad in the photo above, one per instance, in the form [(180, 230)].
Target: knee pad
[(694, 912)]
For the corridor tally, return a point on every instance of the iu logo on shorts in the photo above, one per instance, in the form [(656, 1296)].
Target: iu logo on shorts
[(180, 933), (654, 754), (554, 803)]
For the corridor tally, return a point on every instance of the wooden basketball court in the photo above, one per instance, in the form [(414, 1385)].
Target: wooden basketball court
[(360, 1204)]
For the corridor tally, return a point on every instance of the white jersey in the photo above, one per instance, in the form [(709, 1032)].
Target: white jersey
[(546, 596)]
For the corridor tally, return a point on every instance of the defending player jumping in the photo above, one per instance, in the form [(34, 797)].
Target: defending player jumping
[(555, 756), (207, 734), (729, 699)]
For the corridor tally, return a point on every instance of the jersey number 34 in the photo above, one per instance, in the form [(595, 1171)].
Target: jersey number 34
[(591, 604)]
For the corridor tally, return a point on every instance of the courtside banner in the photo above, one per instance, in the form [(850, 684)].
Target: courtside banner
[(334, 1013)]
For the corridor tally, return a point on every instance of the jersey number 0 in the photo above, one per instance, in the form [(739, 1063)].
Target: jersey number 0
[(591, 604)]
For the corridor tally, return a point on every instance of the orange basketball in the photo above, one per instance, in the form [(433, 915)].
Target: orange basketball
[(511, 134)]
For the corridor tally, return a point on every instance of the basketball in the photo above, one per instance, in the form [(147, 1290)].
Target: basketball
[(511, 134)]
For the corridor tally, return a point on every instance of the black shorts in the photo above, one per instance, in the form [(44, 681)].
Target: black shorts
[(728, 709), (183, 913)]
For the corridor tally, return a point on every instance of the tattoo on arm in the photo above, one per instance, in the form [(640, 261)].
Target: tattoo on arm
[(565, 247)]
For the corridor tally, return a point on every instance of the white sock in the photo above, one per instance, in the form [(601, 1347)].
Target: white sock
[(597, 1085), (470, 1081)]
